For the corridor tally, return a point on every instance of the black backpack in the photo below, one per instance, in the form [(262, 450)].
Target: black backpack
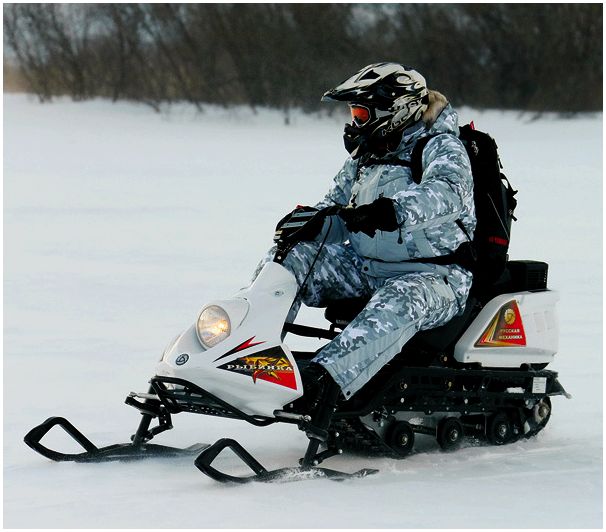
[(486, 254)]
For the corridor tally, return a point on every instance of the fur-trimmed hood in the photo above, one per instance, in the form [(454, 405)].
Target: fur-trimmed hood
[(437, 103), (439, 117)]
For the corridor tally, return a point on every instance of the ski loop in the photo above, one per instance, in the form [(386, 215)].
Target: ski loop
[(92, 453), (260, 474)]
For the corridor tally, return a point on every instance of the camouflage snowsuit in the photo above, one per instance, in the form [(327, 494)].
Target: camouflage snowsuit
[(405, 297)]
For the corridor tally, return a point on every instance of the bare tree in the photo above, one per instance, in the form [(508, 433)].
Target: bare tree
[(523, 56)]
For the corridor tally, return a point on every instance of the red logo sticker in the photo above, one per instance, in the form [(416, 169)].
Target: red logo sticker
[(505, 330), (271, 365)]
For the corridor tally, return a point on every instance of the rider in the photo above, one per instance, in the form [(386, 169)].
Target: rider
[(372, 246)]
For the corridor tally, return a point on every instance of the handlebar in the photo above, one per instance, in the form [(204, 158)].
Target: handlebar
[(285, 242)]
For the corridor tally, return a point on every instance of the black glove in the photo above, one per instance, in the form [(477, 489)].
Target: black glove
[(300, 225), (380, 215)]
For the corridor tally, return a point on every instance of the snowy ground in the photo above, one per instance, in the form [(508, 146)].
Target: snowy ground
[(120, 223)]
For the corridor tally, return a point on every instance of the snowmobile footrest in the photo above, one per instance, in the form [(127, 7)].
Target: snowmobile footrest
[(286, 474), (92, 453)]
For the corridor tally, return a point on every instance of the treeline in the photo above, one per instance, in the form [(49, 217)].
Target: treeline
[(540, 57)]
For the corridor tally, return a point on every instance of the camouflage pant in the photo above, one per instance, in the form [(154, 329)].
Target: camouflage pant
[(399, 306)]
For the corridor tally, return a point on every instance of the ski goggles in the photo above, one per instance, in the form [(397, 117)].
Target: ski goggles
[(360, 115)]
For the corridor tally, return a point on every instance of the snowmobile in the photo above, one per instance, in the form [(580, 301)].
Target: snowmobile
[(482, 376)]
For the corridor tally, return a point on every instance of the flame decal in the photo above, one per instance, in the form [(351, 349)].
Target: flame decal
[(271, 365), (241, 347)]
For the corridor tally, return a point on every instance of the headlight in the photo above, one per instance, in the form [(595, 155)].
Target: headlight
[(213, 326)]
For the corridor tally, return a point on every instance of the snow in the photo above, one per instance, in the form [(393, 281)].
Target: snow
[(119, 223)]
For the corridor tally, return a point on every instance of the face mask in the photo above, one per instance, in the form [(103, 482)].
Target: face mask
[(352, 139)]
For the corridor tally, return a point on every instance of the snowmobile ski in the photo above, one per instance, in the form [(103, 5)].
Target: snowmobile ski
[(285, 474), (92, 453)]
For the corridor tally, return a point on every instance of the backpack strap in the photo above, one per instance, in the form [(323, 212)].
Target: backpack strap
[(416, 159), (465, 256)]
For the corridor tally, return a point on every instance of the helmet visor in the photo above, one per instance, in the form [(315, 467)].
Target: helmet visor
[(360, 115)]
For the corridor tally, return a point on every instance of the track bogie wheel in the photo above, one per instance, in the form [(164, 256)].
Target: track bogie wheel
[(539, 417), (499, 429), (450, 433), (401, 438)]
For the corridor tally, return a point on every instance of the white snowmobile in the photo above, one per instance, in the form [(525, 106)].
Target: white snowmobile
[(480, 376)]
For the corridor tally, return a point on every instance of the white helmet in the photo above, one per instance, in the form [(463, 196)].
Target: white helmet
[(385, 98)]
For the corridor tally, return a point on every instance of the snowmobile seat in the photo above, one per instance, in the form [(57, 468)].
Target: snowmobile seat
[(341, 312), (520, 275)]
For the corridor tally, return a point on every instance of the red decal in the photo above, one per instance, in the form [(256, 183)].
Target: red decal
[(505, 330), (246, 345), (276, 371), (472, 125), (271, 365), (241, 347)]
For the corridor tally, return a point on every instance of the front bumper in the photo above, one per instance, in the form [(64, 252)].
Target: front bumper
[(178, 395)]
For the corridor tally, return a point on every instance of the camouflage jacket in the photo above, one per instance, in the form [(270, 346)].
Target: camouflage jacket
[(427, 212)]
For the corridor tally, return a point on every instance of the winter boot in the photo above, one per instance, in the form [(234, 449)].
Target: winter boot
[(323, 394), (315, 381)]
